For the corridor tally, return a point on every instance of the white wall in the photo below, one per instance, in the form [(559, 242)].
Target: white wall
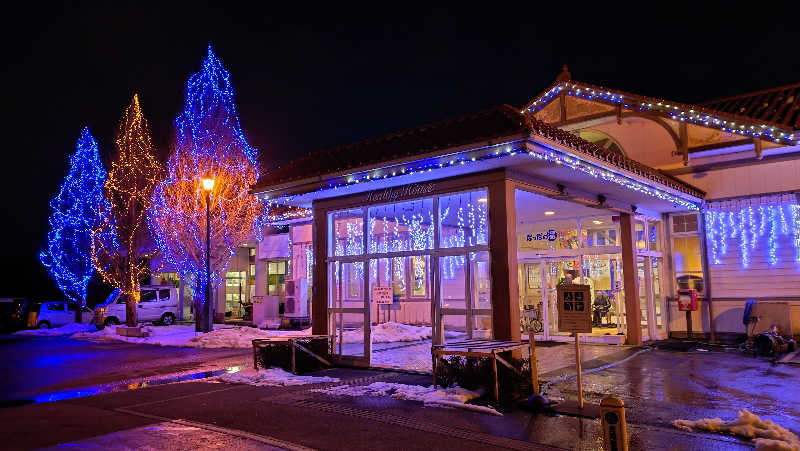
[(747, 180)]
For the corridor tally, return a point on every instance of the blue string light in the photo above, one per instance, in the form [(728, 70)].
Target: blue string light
[(771, 222), (209, 141), (76, 211)]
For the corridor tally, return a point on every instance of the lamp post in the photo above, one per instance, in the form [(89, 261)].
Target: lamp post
[(208, 321)]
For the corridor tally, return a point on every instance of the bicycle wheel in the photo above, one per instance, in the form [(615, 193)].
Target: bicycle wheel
[(538, 327)]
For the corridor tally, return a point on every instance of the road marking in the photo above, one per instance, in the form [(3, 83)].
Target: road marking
[(272, 441), (158, 401)]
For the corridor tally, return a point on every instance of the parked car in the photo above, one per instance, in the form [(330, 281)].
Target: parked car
[(49, 314), (158, 304), (13, 314)]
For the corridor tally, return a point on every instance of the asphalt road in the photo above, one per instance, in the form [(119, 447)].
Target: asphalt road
[(52, 368)]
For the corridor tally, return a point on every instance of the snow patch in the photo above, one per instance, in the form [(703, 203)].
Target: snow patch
[(272, 377), (391, 332), (433, 397), (186, 336), (767, 435), (68, 329)]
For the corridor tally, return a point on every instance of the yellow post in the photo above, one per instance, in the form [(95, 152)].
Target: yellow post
[(615, 432), (534, 369), (578, 369)]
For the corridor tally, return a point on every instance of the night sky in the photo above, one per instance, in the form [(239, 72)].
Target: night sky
[(312, 77)]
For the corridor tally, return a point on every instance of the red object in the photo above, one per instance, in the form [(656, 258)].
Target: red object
[(687, 300)]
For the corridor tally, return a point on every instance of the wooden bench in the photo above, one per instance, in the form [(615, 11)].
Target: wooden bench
[(294, 343), (484, 349)]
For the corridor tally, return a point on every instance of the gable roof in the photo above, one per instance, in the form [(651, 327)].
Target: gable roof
[(729, 118), (779, 106), (497, 122)]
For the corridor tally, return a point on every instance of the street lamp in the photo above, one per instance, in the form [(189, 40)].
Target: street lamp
[(208, 322)]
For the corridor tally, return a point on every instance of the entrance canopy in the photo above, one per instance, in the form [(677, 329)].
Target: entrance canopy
[(554, 162)]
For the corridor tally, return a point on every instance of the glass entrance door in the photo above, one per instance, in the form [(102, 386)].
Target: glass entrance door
[(464, 309), (348, 313)]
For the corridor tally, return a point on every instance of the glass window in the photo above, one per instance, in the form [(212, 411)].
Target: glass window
[(401, 226), (638, 232), (552, 235), (252, 252), (600, 231), (688, 264), (276, 278), (348, 232), (55, 307), (163, 295), (684, 223), (148, 296), (654, 235), (463, 219), (72, 307), (419, 276)]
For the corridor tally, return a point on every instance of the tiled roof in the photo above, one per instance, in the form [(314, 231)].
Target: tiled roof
[(779, 106), (497, 122)]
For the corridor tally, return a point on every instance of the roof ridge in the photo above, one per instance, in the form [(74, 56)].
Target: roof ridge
[(750, 94)]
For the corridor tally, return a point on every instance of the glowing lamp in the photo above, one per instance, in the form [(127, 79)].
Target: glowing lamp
[(208, 184)]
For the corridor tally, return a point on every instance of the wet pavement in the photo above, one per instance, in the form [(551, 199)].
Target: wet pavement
[(51, 368), (657, 386)]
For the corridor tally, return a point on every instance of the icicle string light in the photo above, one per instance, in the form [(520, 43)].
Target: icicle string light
[(76, 212), (774, 220)]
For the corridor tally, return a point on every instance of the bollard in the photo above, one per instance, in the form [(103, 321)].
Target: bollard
[(534, 369), (615, 434)]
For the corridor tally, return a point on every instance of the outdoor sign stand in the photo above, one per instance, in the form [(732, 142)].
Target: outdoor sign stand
[(575, 315)]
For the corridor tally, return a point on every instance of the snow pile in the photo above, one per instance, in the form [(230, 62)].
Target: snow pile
[(272, 377), (68, 329), (392, 332), (433, 397), (185, 336), (238, 337), (767, 435)]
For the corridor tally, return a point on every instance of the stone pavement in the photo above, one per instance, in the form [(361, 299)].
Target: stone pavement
[(298, 418)]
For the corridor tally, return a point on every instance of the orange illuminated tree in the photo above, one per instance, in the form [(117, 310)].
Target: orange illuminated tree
[(121, 246), (209, 144)]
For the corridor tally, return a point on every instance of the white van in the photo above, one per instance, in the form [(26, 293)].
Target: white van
[(158, 304)]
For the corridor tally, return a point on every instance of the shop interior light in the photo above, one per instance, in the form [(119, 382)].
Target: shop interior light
[(597, 222), (482, 200), (549, 213)]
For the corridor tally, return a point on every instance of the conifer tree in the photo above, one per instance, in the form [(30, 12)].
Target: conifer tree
[(209, 143), (122, 248), (77, 210)]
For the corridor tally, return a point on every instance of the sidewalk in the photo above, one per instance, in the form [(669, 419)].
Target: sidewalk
[(296, 417)]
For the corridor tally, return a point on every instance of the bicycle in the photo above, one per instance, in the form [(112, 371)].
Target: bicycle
[(531, 318)]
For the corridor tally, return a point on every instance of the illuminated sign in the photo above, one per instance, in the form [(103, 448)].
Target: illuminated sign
[(399, 192)]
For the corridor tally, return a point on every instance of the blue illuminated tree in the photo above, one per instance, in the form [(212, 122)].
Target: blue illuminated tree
[(209, 143), (75, 213)]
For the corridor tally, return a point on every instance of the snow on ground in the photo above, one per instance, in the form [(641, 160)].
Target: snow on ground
[(392, 332), (69, 329), (767, 435), (433, 397), (272, 377), (185, 336)]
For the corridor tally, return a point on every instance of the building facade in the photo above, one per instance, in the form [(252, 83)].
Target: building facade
[(473, 222)]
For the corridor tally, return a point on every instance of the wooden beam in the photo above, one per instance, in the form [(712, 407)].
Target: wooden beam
[(633, 312), (319, 294), (503, 267), (720, 145), (758, 148), (563, 106), (683, 134)]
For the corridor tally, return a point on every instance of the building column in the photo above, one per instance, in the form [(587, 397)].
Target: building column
[(503, 266), (319, 295), (181, 284), (633, 314)]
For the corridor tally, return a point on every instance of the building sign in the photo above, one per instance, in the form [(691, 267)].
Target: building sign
[(537, 240), (382, 295), (574, 308), (401, 192)]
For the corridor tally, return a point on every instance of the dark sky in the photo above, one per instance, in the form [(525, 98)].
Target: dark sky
[(314, 77)]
